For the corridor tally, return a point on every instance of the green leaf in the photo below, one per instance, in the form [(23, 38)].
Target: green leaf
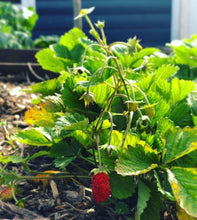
[(136, 160), (71, 39), (192, 101), (163, 88), (38, 154), (82, 137), (72, 122), (61, 51), (154, 204), (62, 162), (185, 55), (180, 115), (161, 107), (187, 161), (146, 52), (184, 186), (180, 89), (63, 149), (30, 17), (93, 61), (161, 186), (101, 93), (117, 138), (45, 88), (11, 158), (127, 186), (119, 120), (179, 142), (122, 208), (143, 197), (137, 58), (65, 153), (145, 84), (48, 59), (165, 71), (164, 124), (32, 137)]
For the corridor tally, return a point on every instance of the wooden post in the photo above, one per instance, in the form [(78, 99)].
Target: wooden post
[(76, 11)]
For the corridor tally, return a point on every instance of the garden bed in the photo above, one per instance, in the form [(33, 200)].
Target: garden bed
[(20, 64)]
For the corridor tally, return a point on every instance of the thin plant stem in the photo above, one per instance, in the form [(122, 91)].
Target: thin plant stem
[(145, 97), (118, 42), (111, 128), (128, 128), (86, 49), (98, 150)]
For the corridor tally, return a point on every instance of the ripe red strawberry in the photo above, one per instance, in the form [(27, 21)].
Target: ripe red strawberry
[(100, 187), (6, 194)]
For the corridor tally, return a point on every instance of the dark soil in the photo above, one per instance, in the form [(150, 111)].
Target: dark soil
[(64, 198)]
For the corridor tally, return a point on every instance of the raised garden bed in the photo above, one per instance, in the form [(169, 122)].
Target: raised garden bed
[(20, 62)]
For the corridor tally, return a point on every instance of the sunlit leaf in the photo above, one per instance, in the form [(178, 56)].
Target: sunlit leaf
[(32, 137), (179, 142), (101, 93), (185, 55), (11, 158), (180, 89), (163, 88), (46, 88), (117, 139), (164, 124), (184, 186), (165, 71), (49, 61), (136, 160), (71, 38)]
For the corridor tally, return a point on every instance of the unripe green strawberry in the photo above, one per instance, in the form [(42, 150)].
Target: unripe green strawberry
[(150, 110), (132, 106), (6, 194), (100, 187)]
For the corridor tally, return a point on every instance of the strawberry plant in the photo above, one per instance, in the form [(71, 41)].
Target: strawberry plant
[(16, 25), (121, 109)]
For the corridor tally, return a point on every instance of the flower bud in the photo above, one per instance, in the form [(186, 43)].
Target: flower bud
[(100, 24)]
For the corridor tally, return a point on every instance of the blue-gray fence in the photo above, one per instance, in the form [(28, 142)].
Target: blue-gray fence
[(149, 20)]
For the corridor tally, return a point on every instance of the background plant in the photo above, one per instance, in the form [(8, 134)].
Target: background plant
[(16, 26), (119, 108)]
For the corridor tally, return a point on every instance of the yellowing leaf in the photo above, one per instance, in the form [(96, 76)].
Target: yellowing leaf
[(183, 182), (182, 215), (38, 115), (136, 160), (44, 177), (179, 142)]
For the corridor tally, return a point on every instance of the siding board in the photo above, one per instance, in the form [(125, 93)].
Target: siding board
[(149, 20)]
